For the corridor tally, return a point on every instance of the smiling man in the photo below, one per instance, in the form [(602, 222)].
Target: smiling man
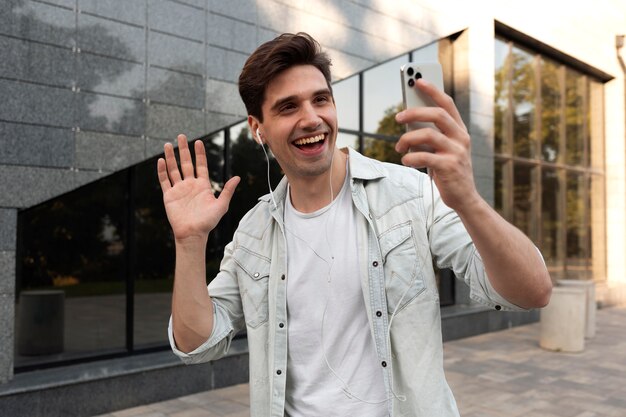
[(331, 274)]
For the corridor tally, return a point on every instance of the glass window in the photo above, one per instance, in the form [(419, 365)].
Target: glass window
[(524, 198), (558, 159), (346, 93), (382, 93), (577, 232), (574, 118), (552, 227), (381, 149), (523, 92), (74, 245), (550, 110), (501, 99)]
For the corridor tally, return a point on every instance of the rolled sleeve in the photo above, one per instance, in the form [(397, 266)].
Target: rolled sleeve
[(481, 289), (215, 346)]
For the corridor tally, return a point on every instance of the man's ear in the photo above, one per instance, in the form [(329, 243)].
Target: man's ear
[(255, 129)]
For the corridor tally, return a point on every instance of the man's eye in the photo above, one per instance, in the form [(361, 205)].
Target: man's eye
[(287, 107), (321, 99)]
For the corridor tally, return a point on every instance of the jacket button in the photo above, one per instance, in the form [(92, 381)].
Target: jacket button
[(282, 277), (281, 325), (379, 313), (498, 307), (384, 364), (256, 274), (279, 372), (375, 263)]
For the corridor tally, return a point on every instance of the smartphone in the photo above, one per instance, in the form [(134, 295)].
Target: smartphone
[(412, 97)]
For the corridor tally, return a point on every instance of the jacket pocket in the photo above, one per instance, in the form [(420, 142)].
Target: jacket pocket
[(253, 286), (403, 282)]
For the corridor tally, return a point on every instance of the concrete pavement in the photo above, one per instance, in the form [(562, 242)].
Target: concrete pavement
[(500, 374)]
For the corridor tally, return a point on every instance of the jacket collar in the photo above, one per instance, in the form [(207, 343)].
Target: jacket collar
[(361, 168)]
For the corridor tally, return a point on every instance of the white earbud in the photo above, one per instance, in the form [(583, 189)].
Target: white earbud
[(258, 137)]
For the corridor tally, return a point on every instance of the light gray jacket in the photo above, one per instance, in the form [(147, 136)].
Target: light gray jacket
[(398, 237)]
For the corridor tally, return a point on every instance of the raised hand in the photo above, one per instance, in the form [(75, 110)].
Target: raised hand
[(192, 209), (451, 163)]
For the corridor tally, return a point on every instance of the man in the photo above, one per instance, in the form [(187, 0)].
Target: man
[(331, 273)]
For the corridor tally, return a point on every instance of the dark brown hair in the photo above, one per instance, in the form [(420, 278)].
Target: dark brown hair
[(273, 57)]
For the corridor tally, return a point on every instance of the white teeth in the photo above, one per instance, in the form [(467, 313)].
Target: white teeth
[(313, 139)]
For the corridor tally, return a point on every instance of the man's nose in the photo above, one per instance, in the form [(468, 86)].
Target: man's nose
[(310, 119)]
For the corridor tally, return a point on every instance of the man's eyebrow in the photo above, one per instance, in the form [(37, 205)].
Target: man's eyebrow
[(281, 101)]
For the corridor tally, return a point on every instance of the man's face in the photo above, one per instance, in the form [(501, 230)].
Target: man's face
[(300, 122)]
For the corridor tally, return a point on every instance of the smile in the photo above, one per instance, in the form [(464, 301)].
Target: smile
[(309, 141)]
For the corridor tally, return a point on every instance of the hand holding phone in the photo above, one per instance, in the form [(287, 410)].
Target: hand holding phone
[(413, 97)]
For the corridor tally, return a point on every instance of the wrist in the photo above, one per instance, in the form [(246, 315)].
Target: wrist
[(194, 242)]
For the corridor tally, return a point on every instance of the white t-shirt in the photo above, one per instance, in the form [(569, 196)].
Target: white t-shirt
[(322, 266)]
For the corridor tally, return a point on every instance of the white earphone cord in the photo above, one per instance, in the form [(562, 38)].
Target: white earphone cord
[(346, 388)]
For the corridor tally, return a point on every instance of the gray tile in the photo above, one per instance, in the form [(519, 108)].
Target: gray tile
[(36, 145), (168, 121), (133, 11), (216, 121), (7, 272), (29, 103), (30, 61), (176, 88), (177, 19), (109, 75), (110, 114), (197, 3), (224, 65), (231, 34), (27, 186), (8, 229), (175, 53), (65, 3), (7, 315), (107, 152), (224, 97), (38, 21), (245, 10), (106, 37)]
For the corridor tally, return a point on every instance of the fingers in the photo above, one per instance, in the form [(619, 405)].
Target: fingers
[(186, 165), (170, 163), (202, 166), (162, 174), (442, 100), (228, 191)]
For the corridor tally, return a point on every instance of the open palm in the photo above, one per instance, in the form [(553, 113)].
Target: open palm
[(192, 209)]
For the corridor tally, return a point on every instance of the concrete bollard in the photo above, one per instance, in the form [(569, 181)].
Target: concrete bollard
[(41, 322), (562, 321), (590, 305)]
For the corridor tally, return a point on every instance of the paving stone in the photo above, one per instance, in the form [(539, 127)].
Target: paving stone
[(501, 374)]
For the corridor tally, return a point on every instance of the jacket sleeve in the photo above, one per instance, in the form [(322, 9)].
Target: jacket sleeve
[(452, 247), (227, 315)]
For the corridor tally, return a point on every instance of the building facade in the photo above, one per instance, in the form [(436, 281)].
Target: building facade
[(93, 89)]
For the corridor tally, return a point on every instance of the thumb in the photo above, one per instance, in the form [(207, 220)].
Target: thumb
[(228, 191)]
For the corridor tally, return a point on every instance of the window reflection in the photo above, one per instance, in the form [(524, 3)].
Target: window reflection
[(550, 110), (574, 117), (382, 92), (74, 244), (346, 93), (569, 108), (552, 226), (577, 255), (501, 98), (523, 198), (523, 92)]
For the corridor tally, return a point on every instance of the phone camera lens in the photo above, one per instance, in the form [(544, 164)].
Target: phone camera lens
[(409, 71), (411, 82), (418, 75)]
